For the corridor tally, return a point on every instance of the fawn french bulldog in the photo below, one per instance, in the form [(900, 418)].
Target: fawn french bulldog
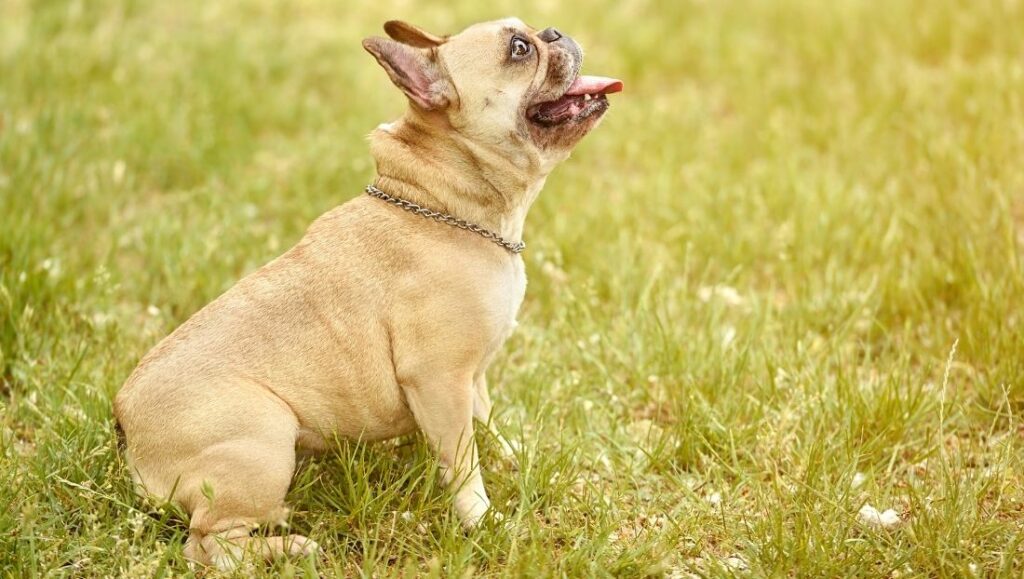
[(379, 321)]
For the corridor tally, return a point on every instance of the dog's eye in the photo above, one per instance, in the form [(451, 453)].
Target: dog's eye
[(520, 48)]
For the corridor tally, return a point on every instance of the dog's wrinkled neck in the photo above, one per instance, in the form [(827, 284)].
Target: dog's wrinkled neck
[(428, 162)]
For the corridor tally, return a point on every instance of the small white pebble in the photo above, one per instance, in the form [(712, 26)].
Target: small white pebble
[(715, 499), (870, 516), (890, 518), (736, 563), (858, 480), (153, 310)]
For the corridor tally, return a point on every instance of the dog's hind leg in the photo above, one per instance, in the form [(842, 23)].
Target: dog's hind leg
[(228, 543), (228, 460), (243, 484)]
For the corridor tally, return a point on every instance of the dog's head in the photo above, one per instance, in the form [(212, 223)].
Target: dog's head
[(500, 84)]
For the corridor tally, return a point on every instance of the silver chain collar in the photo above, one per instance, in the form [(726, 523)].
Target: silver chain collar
[(515, 247)]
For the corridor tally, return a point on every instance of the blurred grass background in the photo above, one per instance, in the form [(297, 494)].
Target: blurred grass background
[(745, 286)]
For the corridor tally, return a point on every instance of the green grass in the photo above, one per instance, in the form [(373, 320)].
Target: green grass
[(747, 284)]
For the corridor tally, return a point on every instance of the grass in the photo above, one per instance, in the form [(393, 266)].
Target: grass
[(782, 280)]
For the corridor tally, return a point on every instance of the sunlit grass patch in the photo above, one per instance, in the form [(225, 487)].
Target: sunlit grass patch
[(745, 286)]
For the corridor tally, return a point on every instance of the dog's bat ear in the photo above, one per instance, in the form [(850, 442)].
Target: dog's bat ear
[(414, 70), (412, 35)]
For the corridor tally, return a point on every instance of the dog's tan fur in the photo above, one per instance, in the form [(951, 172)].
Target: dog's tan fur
[(377, 322)]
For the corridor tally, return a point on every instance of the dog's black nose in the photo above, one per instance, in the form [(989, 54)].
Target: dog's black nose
[(549, 35)]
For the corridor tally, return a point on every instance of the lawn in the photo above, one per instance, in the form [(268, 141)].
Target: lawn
[(781, 285)]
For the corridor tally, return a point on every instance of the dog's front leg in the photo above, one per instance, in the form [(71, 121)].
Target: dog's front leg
[(482, 409), (443, 408)]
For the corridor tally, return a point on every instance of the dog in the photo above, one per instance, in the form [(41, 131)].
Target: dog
[(384, 317)]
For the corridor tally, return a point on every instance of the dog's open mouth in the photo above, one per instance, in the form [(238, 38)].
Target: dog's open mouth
[(584, 98)]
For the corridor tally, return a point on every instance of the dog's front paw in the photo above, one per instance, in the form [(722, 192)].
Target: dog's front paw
[(471, 511), (510, 450), (490, 519)]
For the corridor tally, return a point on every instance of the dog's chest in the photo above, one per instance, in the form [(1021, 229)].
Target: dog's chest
[(506, 300)]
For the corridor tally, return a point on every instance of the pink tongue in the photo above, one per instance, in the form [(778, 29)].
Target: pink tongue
[(594, 85)]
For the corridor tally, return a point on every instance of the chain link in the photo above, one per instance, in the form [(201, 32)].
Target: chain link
[(515, 247)]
